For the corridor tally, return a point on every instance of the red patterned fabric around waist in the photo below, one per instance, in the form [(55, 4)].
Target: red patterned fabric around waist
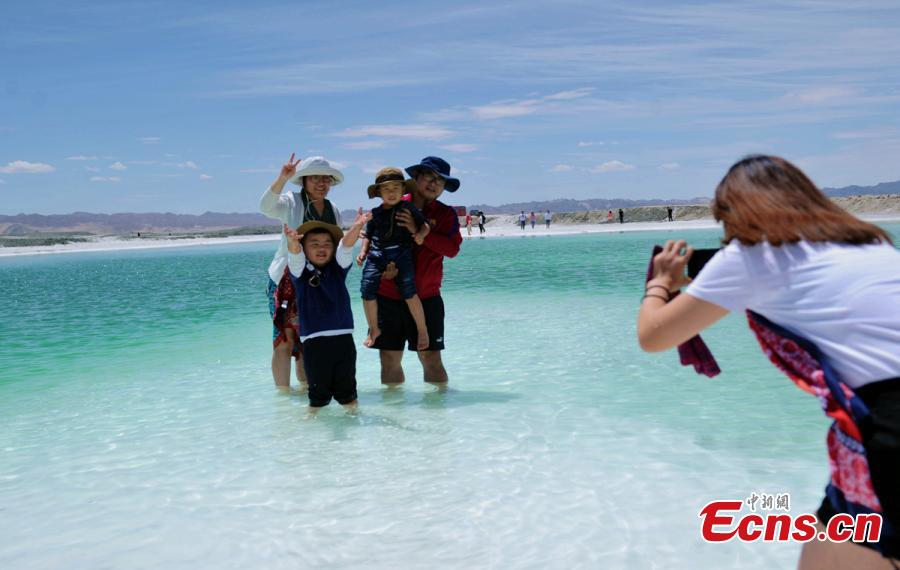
[(851, 483)]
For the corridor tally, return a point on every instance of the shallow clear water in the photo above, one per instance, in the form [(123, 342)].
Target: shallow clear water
[(139, 427)]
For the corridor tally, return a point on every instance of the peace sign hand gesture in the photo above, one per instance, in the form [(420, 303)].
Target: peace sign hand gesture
[(289, 168), (293, 239)]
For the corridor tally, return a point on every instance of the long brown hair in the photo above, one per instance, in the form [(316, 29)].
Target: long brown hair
[(766, 198)]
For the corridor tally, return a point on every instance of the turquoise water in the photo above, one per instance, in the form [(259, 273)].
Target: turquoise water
[(139, 427)]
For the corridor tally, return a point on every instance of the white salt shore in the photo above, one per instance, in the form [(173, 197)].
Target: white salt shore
[(495, 229), (114, 243)]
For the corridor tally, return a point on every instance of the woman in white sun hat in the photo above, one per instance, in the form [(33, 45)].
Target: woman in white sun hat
[(315, 177)]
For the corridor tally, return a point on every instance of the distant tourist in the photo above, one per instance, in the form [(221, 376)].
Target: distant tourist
[(522, 219), (398, 331), (533, 220), (318, 263), (547, 218), (669, 209), (469, 223), (609, 217), (315, 177), (621, 216), (481, 222), (821, 293)]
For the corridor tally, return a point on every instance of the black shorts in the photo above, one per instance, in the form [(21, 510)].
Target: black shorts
[(881, 439), (398, 327), (330, 364)]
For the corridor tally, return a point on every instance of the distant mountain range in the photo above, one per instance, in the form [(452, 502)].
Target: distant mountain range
[(883, 188), (569, 205), (105, 224)]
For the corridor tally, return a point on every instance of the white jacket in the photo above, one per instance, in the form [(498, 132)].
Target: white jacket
[(287, 207)]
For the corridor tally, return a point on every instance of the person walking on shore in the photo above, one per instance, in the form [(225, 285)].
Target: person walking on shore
[(481, 222), (432, 178), (609, 217), (669, 210), (621, 216), (315, 177), (547, 218), (469, 223), (522, 219), (533, 220)]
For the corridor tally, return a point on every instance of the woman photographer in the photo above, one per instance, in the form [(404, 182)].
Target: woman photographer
[(822, 293)]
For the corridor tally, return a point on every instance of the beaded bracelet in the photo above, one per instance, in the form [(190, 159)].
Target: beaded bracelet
[(666, 299)]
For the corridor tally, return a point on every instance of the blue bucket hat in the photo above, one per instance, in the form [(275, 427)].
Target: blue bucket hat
[(440, 167)]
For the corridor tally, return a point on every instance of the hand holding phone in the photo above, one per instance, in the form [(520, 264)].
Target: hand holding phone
[(698, 260)]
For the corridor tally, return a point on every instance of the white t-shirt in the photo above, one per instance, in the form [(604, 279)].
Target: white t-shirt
[(843, 298)]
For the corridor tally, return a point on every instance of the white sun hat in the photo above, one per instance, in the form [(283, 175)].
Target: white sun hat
[(316, 166)]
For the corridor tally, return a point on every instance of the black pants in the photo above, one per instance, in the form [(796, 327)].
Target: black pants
[(330, 364), (881, 439)]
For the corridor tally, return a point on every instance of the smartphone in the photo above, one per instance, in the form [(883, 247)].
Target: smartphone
[(698, 260)]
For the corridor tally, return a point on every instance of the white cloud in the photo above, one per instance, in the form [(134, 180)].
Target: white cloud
[(23, 167), (205, 177), (561, 168), (583, 144), (273, 169), (669, 166), (105, 179), (371, 166), (149, 140), (503, 110), (566, 95), (118, 166), (876, 133), (508, 108), (81, 157), (92, 168), (351, 75), (613, 166), (365, 145), (519, 108), (822, 94), (425, 132), (187, 164), (461, 147)]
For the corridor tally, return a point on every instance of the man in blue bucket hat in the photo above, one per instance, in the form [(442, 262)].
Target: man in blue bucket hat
[(432, 178)]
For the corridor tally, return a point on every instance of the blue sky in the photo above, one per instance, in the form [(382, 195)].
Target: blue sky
[(188, 107)]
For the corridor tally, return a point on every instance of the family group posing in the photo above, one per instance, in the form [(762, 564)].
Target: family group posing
[(404, 243), (820, 288)]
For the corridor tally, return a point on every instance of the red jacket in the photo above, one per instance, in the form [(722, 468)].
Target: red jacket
[(442, 241)]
